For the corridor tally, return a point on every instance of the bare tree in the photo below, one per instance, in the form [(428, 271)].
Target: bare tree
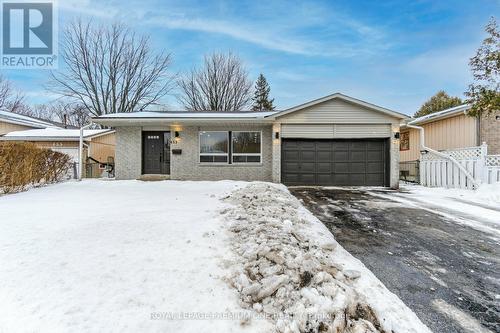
[(67, 113), (110, 69), (222, 84), (10, 99)]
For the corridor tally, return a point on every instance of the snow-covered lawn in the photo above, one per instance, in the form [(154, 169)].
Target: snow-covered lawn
[(130, 256), (487, 194), (479, 209)]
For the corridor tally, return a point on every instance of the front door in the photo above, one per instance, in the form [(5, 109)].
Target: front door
[(156, 152)]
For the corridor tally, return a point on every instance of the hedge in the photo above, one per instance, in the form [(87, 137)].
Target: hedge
[(24, 165)]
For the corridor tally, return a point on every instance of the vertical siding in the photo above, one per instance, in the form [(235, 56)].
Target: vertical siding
[(449, 133), (103, 147)]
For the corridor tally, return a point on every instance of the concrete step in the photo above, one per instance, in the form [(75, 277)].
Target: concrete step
[(153, 177)]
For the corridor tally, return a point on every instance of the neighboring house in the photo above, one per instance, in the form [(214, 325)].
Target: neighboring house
[(450, 129), (334, 140), (99, 144), (10, 122)]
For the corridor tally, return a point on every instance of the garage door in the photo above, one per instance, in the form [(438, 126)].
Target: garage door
[(335, 162)]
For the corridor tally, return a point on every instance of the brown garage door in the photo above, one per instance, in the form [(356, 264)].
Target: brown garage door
[(360, 162)]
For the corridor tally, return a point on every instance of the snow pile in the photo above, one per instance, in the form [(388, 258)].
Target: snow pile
[(290, 277)]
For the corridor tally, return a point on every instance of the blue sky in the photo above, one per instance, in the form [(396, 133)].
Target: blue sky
[(392, 53)]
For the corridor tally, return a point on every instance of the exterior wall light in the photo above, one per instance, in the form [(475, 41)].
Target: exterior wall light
[(176, 134), (276, 135), (396, 135)]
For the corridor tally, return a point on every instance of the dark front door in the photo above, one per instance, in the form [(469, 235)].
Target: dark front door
[(335, 162), (156, 152)]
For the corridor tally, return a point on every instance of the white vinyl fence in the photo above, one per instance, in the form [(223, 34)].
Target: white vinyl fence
[(438, 171)]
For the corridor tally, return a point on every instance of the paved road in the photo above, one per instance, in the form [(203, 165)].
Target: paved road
[(448, 273)]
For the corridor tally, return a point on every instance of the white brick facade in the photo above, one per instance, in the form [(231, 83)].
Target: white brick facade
[(186, 166), (128, 153)]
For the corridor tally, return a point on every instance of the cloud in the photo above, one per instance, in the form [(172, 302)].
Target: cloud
[(236, 31), (308, 29), (85, 7), (275, 37), (442, 66)]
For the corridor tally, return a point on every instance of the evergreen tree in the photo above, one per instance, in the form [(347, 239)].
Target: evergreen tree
[(261, 101)]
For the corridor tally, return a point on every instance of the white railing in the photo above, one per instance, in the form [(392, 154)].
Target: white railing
[(437, 171)]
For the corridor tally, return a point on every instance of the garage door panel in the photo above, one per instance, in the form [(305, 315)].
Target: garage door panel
[(307, 155), (357, 167), (357, 179), (375, 167), (307, 178), (340, 156), (291, 156), (375, 155), (308, 167), (341, 167), (342, 162), (341, 179), (375, 145), (324, 145), (291, 167), (374, 179), (357, 156), (340, 145), (307, 145), (324, 156), (324, 179), (291, 178), (357, 145), (290, 144), (324, 167)]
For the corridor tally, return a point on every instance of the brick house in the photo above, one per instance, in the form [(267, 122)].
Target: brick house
[(333, 140)]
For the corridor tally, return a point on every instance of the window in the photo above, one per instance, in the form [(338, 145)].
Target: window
[(230, 147), (214, 147), (246, 147), (404, 143)]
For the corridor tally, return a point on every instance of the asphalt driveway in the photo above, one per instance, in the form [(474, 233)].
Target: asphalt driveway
[(448, 273)]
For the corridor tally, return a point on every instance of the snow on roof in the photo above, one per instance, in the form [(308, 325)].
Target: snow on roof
[(14, 118), (187, 115), (52, 134), (441, 114)]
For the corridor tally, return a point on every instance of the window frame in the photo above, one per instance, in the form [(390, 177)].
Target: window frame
[(247, 154), (200, 154)]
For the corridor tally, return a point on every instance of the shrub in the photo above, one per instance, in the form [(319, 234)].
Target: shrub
[(23, 165)]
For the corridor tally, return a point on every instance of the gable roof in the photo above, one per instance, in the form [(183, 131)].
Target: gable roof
[(53, 134), (18, 119), (441, 114), (345, 98), (187, 115)]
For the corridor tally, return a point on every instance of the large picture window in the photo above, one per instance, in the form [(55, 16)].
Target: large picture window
[(246, 147), (238, 147), (214, 147)]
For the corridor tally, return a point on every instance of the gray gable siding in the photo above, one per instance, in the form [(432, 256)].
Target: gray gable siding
[(336, 111)]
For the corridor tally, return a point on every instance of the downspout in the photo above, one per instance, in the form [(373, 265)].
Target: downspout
[(454, 161), (80, 152)]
